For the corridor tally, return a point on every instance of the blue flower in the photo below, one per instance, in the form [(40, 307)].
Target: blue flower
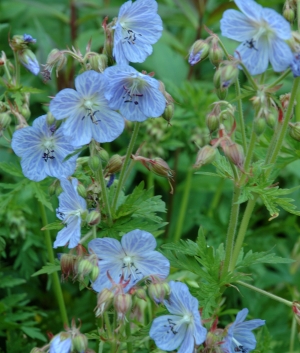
[(29, 60), (262, 32), (184, 327), (87, 111), (134, 258), (42, 150), (239, 336), (71, 208), (60, 345), (295, 65), (135, 95), (138, 26), (28, 38)]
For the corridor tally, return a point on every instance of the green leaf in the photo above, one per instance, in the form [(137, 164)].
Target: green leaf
[(41, 195), (33, 332), (49, 268), (54, 225), (11, 169), (262, 257), (9, 281)]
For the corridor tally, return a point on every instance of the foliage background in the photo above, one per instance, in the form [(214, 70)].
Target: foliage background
[(27, 308)]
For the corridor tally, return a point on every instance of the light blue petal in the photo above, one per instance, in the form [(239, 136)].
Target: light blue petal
[(188, 343), (152, 263), (25, 139), (281, 56), (255, 59), (246, 338), (33, 165), (233, 20), (88, 83), (65, 103), (162, 334), (278, 23), (251, 9), (153, 102), (250, 325), (176, 303), (138, 242), (241, 316), (200, 332), (114, 268), (132, 112), (60, 346), (70, 233), (108, 249)]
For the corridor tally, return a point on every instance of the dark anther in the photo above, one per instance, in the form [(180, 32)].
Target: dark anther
[(250, 44), (47, 155), (91, 114)]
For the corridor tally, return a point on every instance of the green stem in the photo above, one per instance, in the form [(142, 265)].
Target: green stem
[(128, 335), (6, 70), (183, 206), (242, 232), (100, 178), (100, 349), (55, 278), (125, 165), (216, 199), (235, 208), (240, 114), (267, 294), (248, 157), (17, 67), (285, 124), (272, 143), (293, 335), (278, 81)]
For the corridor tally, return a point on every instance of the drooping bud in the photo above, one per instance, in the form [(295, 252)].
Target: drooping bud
[(169, 112), (259, 125), (271, 120), (122, 304), (79, 343), (212, 121), (199, 51), (68, 264), (229, 74), (159, 167), (93, 218), (109, 37), (289, 12), (29, 60), (157, 291), (94, 163), (25, 111), (56, 58), (20, 42), (235, 153), (114, 164), (294, 131), (104, 300), (205, 156), (98, 62), (86, 265), (216, 53)]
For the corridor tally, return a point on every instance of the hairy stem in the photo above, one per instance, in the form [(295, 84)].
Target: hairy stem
[(128, 335), (240, 114)]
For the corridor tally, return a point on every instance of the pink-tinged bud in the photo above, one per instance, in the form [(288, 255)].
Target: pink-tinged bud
[(199, 51), (271, 120), (109, 38), (296, 310), (79, 343), (93, 218), (94, 163), (212, 121), (158, 291), (98, 62), (206, 155), (114, 164), (67, 264), (259, 125), (159, 167), (285, 100), (122, 304), (294, 131), (141, 293), (29, 60), (235, 153), (104, 300), (216, 53)]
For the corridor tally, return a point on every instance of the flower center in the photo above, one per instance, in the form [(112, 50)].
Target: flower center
[(129, 36), (89, 105), (238, 347), (131, 270), (173, 326), (133, 93), (48, 145)]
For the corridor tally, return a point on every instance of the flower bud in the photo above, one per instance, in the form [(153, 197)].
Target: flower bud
[(98, 62), (159, 167), (79, 343), (37, 350), (289, 13), (86, 265), (212, 121), (205, 156), (56, 58), (271, 120), (122, 304), (217, 78), (199, 51), (103, 154), (5, 121), (157, 292), (29, 60), (229, 74), (93, 218), (82, 190), (216, 53), (259, 125), (67, 264), (104, 300), (114, 164), (141, 293), (169, 112), (94, 163), (294, 131), (25, 111), (109, 38), (20, 42), (222, 93), (235, 153)]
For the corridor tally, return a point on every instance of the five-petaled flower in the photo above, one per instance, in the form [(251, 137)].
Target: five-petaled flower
[(87, 111), (262, 32), (183, 328), (42, 150), (131, 260), (239, 337), (135, 95), (71, 208), (138, 26)]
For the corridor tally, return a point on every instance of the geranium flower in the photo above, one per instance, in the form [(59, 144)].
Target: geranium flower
[(60, 344), (42, 150), (239, 336), (262, 32), (132, 38), (71, 208), (135, 95), (131, 260), (87, 111), (184, 327)]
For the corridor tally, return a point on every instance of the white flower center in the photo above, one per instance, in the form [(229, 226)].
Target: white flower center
[(88, 104), (47, 147)]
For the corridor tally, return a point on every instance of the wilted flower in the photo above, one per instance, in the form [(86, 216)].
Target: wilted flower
[(239, 336), (71, 207), (184, 327), (262, 32), (133, 259), (87, 111), (135, 95), (43, 150), (138, 26)]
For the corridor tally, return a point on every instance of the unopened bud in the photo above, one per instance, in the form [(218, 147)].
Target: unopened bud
[(94, 163), (104, 300), (199, 51), (93, 218), (122, 304), (5, 121), (222, 93), (37, 350), (114, 164), (157, 292), (271, 120), (79, 343), (86, 265), (294, 131), (103, 154), (141, 293), (53, 187), (289, 13), (82, 190), (229, 74), (98, 62), (216, 53), (56, 58), (235, 153), (67, 264), (29, 60), (205, 156), (169, 112), (159, 167), (20, 42), (259, 125), (25, 111), (109, 38), (212, 121)]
